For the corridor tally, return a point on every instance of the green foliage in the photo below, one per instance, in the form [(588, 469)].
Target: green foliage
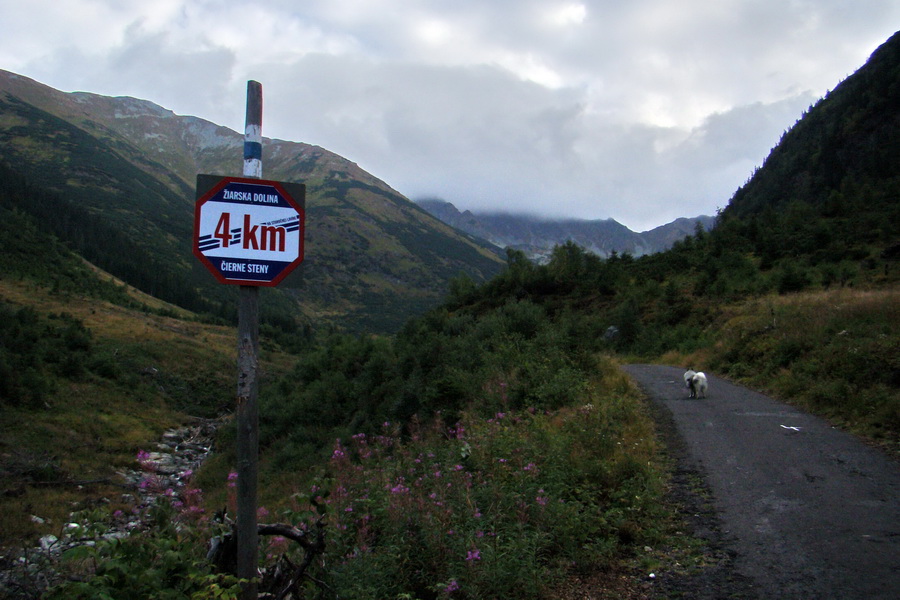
[(36, 352), (828, 192), (95, 239), (790, 278), (29, 253), (491, 507), (165, 561), (442, 362), (840, 156), (836, 354)]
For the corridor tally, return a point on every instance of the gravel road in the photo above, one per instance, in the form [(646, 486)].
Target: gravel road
[(803, 510)]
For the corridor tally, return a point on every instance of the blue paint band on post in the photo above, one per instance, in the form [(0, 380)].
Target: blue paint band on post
[(252, 150)]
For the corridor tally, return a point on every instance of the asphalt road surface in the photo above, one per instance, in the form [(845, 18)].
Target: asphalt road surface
[(804, 510)]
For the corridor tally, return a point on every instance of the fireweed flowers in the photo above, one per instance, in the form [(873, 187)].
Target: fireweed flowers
[(163, 554), (152, 482), (490, 507), (186, 499)]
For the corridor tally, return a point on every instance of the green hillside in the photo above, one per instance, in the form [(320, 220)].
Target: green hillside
[(829, 191), (128, 167)]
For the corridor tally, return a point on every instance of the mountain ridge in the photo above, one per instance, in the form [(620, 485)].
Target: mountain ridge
[(537, 237)]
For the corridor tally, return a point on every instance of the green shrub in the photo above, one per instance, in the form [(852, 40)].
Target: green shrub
[(165, 562), (791, 277), (504, 506)]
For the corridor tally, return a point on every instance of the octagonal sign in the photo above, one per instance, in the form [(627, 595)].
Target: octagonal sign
[(249, 231)]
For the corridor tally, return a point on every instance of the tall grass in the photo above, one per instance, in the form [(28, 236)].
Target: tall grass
[(833, 352)]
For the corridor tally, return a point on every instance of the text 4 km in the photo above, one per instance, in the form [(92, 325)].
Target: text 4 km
[(251, 237)]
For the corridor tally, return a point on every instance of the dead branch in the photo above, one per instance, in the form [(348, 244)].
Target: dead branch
[(284, 579)]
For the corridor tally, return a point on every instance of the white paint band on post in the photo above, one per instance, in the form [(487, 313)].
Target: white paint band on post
[(253, 131)]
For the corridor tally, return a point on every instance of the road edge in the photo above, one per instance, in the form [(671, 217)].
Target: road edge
[(690, 496)]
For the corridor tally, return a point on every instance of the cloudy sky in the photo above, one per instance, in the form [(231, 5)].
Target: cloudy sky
[(639, 110)]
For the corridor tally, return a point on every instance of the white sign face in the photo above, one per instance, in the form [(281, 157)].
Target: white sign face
[(248, 231)]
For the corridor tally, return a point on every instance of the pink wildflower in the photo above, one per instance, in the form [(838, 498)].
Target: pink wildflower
[(457, 431), (338, 451), (399, 488)]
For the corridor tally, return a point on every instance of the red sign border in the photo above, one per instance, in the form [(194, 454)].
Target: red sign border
[(215, 189)]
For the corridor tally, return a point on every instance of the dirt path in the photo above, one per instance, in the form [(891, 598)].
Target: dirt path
[(804, 510)]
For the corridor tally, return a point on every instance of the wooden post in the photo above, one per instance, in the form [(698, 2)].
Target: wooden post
[(248, 376), (253, 131)]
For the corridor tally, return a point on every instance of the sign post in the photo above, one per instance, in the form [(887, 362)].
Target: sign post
[(249, 232), (248, 381)]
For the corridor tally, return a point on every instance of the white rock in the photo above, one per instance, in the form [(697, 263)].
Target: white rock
[(48, 541)]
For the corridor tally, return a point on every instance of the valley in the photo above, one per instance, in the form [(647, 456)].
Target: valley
[(456, 422)]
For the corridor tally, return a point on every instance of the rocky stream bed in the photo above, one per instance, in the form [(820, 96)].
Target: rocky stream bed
[(26, 573)]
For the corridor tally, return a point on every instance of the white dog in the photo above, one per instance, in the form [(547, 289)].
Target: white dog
[(699, 385), (688, 375), (696, 382)]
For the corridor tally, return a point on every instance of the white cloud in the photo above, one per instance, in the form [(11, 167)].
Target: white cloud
[(642, 111)]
